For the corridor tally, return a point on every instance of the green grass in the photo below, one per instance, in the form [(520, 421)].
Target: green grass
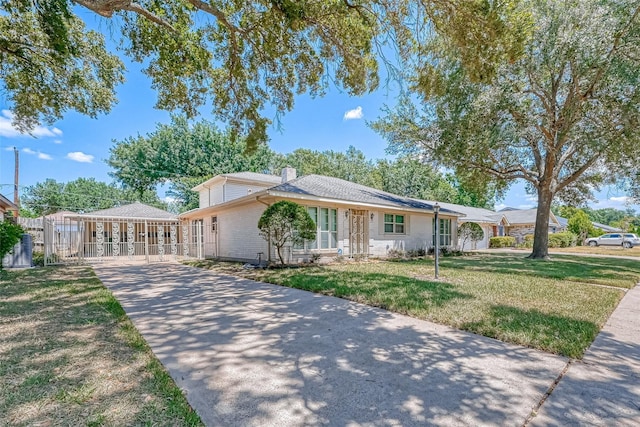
[(557, 306), (70, 356)]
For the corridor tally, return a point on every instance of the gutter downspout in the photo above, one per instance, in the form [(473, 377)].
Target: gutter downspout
[(268, 240)]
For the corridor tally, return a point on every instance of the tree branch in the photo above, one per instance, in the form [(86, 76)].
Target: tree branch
[(107, 7)]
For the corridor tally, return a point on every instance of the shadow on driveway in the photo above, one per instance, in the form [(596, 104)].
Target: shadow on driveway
[(253, 354)]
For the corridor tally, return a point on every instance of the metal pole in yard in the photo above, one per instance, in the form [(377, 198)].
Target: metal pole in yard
[(436, 210)]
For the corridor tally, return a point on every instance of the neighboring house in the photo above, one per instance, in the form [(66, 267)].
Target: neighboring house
[(7, 206), (352, 220), (521, 222), (606, 228), (492, 224)]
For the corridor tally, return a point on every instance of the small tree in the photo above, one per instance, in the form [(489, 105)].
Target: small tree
[(469, 231), (9, 235), (285, 222), (580, 225)]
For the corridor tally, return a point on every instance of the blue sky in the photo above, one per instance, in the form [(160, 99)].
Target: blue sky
[(78, 146)]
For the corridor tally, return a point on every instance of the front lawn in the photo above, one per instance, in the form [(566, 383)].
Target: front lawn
[(557, 306), (601, 250), (69, 356)]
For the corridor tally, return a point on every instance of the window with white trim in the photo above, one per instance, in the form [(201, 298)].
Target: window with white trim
[(326, 220), (214, 224), (445, 231), (394, 224)]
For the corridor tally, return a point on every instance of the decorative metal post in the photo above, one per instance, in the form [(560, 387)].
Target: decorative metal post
[(436, 209)]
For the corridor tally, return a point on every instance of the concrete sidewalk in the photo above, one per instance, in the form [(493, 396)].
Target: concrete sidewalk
[(604, 388), (253, 354)]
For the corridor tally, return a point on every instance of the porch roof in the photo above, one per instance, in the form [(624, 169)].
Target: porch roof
[(135, 210)]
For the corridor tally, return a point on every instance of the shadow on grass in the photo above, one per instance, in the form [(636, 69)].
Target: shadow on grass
[(67, 355), (396, 293), (603, 271), (556, 334)]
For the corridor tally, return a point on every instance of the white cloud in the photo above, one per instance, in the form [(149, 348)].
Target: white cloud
[(57, 141), (621, 199), (500, 206), (79, 156), (9, 131), (616, 202), (40, 154), (169, 199), (354, 114)]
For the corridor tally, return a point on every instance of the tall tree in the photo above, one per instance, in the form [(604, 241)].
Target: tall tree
[(185, 154), (563, 116), (81, 195), (242, 56), (351, 165)]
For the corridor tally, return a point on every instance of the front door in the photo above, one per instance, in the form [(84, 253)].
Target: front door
[(359, 233)]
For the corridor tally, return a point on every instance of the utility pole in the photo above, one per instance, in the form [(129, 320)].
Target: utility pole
[(16, 198)]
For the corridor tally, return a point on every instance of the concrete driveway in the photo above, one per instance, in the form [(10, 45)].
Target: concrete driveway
[(253, 354)]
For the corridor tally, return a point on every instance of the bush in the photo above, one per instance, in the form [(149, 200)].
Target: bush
[(38, 259), (562, 240), (395, 254), (416, 253), (502, 242), (10, 234), (446, 251)]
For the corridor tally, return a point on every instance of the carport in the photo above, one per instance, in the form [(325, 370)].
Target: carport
[(133, 232)]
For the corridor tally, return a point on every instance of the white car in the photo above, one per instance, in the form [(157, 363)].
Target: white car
[(626, 240)]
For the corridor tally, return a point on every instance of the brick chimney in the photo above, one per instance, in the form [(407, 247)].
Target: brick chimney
[(288, 174)]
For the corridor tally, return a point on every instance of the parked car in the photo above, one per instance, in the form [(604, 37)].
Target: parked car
[(627, 240)]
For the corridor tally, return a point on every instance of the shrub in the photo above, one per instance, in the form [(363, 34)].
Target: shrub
[(562, 240), (38, 259), (395, 254), (285, 222), (10, 234), (502, 242), (446, 251), (416, 253)]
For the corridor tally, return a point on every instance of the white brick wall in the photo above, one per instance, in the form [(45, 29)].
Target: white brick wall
[(238, 236), (419, 234)]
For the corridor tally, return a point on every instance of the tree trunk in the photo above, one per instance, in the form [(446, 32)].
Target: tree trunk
[(541, 232), (279, 250)]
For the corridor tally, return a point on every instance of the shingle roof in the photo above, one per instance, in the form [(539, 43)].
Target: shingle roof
[(339, 189), (133, 210), (522, 216), (254, 176), (471, 214), (604, 227)]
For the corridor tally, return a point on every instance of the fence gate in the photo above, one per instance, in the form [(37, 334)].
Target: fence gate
[(75, 239)]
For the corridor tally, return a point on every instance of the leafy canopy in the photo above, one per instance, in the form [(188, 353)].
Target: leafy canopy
[(184, 154), (246, 59), (286, 222), (563, 116), (81, 195)]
